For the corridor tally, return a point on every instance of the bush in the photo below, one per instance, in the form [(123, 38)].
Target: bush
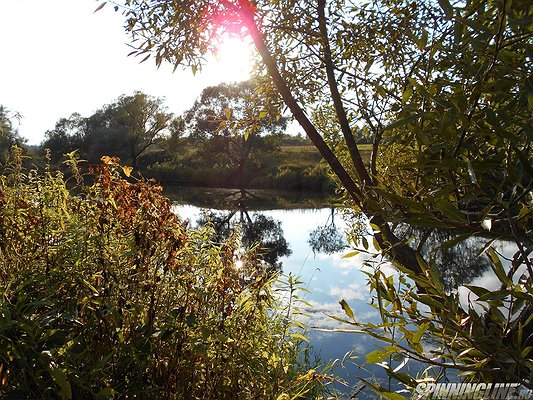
[(109, 294), (298, 178)]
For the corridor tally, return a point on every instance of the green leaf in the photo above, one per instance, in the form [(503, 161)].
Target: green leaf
[(407, 94), (420, 88), (420, 331), (486, 246), (497, 267), (379, 355), (449, 210), (351, 254), (298, 337), (347, 309), (61, 380), (494, 296), (477, 290)]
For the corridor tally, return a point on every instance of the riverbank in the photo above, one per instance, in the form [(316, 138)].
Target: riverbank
[(255, 199)]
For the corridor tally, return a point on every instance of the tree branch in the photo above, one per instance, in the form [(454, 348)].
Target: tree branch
[(349, 139)]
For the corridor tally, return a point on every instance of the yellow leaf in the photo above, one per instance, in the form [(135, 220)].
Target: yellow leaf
[(106, 160), (228, 113), (127, 171), (347, 309)]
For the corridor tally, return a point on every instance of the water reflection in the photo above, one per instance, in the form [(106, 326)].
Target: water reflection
[(328, 238), (459, 263), (328, 276), (256, 229)]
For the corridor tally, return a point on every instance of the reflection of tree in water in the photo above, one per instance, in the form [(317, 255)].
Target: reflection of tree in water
[(327, 238), (459, 264), (256, 229)]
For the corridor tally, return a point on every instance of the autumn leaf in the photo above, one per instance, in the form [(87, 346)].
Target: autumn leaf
[(127, 170)]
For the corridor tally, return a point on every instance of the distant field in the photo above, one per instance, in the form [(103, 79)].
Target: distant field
[(309, 154), (299, 149), (312, 149)]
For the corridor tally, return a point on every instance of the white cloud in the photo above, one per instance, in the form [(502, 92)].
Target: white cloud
[(354, 291)]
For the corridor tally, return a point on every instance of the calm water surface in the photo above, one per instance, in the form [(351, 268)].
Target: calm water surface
[(329, 278)]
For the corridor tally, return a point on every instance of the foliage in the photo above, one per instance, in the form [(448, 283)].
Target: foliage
[(67, 135), (327, 239), (225, 125), (484, 337), (8, 135), (108, 294), (126, 128), (191, 150), (404, 70), (444, 91)]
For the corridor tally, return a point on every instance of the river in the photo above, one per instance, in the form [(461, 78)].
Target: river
[(330, 276)]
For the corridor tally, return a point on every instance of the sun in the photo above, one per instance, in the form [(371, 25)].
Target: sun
[(234, 58)]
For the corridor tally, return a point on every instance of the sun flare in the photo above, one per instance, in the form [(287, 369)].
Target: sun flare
[(233, 57)]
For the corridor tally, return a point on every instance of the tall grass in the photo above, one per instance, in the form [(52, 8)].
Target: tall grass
[(107, 294)]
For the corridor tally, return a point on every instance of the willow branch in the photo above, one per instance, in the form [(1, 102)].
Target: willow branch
[(349, 139), (297, 111)]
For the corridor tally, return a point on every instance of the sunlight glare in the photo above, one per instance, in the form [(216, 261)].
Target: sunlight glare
[(234, 58)]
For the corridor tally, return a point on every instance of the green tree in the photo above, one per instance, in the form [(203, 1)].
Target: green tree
[(8, 134), (444, 90), (67, 135), (138, 120), (228, 124), (126, 128)]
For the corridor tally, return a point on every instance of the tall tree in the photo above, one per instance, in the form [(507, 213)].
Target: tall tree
[(67, 135), (445, 90), (141, 118), (8, 134), (125, 128), (228, 121)]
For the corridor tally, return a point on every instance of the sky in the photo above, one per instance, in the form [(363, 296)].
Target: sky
[(59, 57)]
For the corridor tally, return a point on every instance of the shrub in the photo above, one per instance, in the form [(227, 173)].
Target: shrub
[(108, 293)]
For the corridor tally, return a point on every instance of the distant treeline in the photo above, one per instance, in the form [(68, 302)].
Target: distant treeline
[(224, 140)]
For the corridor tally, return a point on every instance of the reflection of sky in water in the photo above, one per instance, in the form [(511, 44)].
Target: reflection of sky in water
[(330, 278)]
